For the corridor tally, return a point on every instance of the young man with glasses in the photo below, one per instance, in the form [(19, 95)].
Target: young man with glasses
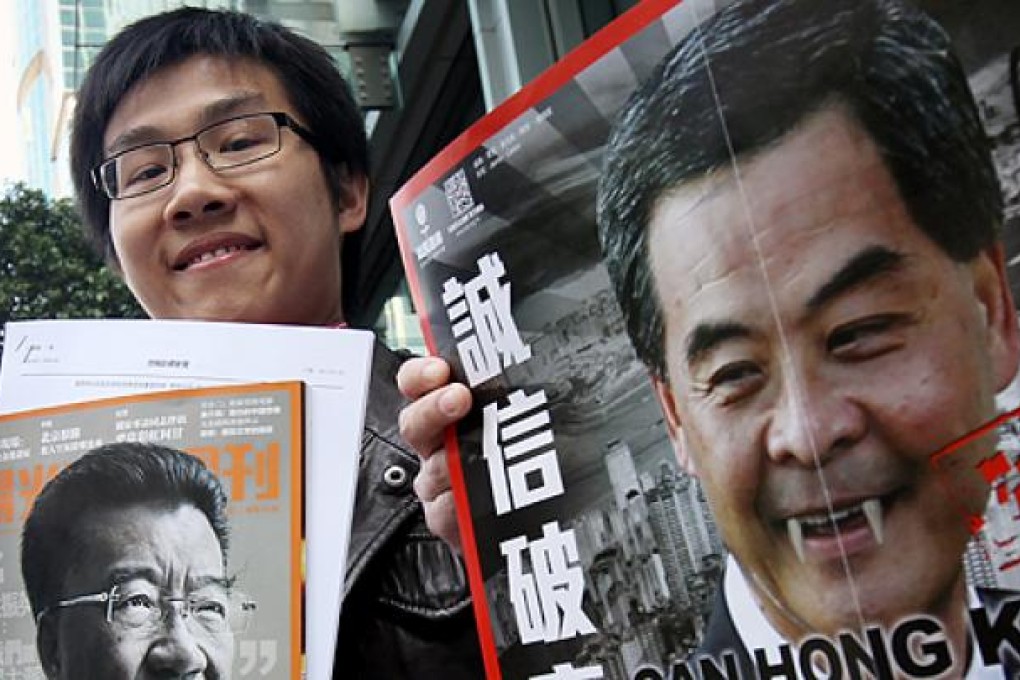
[(132, 582), (218, 161)]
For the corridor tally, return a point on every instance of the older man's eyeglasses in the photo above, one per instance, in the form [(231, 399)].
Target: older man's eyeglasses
[(144, 611), (227, 144)]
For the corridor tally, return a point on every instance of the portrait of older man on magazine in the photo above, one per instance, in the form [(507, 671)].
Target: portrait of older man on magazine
[(124, 557), (801, 217)]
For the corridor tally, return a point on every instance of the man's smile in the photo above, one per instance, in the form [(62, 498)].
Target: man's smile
[(824, 527), (216, 247)]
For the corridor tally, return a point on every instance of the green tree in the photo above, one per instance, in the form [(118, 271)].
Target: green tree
[(47, 269)]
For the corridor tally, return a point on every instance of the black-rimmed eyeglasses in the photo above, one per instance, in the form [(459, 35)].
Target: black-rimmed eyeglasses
[(227, 144), (142, 612)]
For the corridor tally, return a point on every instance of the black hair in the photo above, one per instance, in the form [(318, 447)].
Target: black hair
[(749, 76), (316, 89), (110, 477)]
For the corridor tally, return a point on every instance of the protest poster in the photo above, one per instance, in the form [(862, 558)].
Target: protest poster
[(781, 543)]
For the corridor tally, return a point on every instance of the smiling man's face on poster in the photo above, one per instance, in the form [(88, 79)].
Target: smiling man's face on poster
[(802, 220), (818, 353)]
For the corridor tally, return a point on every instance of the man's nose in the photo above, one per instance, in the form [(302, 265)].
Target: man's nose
[(814, 419), (197, 190), (176, 652)]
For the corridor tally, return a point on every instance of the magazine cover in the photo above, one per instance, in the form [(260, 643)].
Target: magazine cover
[(157, 534), (730, 286)]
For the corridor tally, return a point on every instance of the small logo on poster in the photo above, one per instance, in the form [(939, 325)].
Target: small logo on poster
[(421, 217), (430, 243)]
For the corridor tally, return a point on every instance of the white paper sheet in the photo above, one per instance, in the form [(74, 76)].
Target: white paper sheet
[(53, 362)]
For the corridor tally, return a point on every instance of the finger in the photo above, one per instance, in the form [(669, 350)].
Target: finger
[(433, 478), (441, 519), (421, 375), (423, 422)]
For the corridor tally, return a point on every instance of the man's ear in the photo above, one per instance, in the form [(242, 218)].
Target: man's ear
[(47, 643), (353, 201), (991, 286), (664, 393)]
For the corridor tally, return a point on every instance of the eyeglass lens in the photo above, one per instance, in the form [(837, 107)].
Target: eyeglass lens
[(231, 143), (211, 612)]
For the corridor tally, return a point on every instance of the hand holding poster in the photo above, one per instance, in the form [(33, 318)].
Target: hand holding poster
[(800, 217)]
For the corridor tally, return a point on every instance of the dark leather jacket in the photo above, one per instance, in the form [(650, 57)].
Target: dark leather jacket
[(407, 611)]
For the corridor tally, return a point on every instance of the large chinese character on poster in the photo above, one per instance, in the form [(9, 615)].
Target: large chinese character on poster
[(730, 285)]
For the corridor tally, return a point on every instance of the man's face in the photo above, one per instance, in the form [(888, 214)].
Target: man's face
[(820, 348), (145, 549), (256, 243)]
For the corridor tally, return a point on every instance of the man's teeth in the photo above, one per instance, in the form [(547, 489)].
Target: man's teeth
[(796, 537), (213, 254), (873, 512), (871, 508)]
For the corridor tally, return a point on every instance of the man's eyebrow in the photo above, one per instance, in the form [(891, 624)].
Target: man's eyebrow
[(707, 336), (153, 576), (867, 264), (122, 574), (212, 112), (224, 582), (239, 102)]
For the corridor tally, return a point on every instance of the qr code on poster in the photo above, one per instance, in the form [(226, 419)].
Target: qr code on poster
[(458, 193)]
